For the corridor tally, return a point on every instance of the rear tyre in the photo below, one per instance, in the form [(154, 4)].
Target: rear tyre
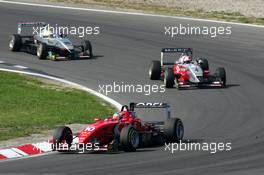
[(129, 139), (87, 46), (155, 70), (61, 135), (169, 78), (15, 43), (221, 73), (42, 51), (173, 130), (203, 63)]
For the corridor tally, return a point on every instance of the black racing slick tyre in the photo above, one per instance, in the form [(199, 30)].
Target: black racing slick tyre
[(169, 78), (42, 51), (155, 70), (129, 139), (173, 130), (87, 46), (203, 63), (62, 134), (221, 73), (15, 43)]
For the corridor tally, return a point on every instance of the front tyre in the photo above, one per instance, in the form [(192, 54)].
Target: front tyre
[(221, 73), (15, 43), (173, 130), (203, 63), (129, 139), (155, 70), (87, 47), (42, 51), (62, 135)]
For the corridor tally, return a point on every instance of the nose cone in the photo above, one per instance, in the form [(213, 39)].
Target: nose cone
[(194, 72), (66, 43), (86, 134), (84, 137), (70, 47)]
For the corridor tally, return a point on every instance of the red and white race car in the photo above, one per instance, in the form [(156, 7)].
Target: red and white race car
[(186, 71), (122, 131)]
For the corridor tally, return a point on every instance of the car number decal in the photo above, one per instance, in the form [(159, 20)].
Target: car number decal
[(89, 128)]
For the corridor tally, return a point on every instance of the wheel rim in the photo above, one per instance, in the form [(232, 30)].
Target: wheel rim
[(176, 82), (11, 43), (134, 139), (39, 50), (165, 79), (179, 130), (150, 72)]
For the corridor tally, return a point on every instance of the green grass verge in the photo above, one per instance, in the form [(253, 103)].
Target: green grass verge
[(178, 11), (29, 105)]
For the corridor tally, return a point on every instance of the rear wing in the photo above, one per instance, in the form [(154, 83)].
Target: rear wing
[(133, 105), (188, 51), (181, 50), (22, 25)]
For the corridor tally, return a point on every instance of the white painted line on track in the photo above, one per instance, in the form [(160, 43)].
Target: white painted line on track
[(127, 13), (20, 67), (109, 100), (2, 62)]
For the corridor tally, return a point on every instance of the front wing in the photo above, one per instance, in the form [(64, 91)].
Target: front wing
[(210, 84)]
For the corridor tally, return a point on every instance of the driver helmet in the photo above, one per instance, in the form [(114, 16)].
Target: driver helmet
[(118, 115), (186, 59), (48, 33)]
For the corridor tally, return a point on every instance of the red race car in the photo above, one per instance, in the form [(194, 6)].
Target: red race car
[(122, 131), (186, 71)]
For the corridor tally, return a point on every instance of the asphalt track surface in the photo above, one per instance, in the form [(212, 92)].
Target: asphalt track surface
[(124, 50)]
